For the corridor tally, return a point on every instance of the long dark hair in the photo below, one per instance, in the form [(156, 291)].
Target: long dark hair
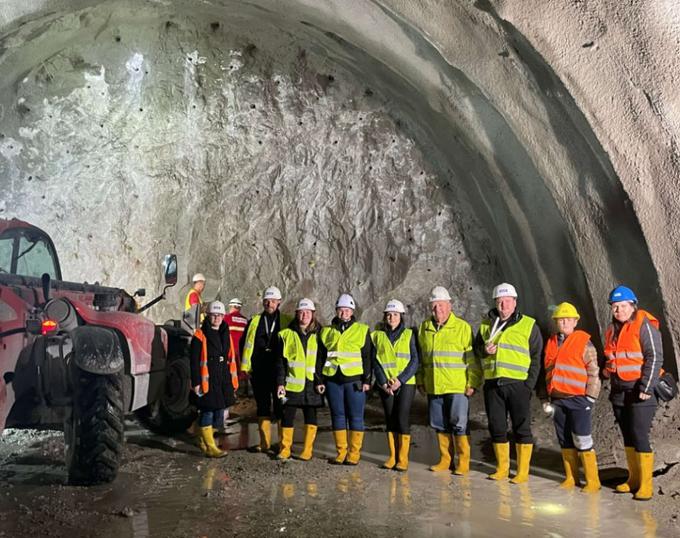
[(313, 327)]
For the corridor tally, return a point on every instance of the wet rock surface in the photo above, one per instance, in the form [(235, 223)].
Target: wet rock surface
[(166, 488)]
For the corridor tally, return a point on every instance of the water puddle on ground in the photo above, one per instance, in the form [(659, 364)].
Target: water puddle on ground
[(166, 488)]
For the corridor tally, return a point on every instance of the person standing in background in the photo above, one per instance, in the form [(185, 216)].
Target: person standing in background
[(237, 326)]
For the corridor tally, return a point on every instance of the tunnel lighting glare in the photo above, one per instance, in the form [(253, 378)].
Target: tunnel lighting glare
[(49, 326), (552, 509)]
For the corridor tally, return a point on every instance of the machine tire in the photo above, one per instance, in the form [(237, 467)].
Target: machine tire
[(173, 413), (94, 430)]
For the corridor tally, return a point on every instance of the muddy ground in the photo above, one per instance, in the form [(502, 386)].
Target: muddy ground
[(166, 488)]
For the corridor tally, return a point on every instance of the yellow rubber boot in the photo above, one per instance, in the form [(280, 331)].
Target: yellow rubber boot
[(308, 445), (570, 460), (463, 451), (404, 446), (211, 449), (589, 462), (646, 466), (356, 439), (340, 437), (444, 440), (285, 444), (391, 445), (264, 426), (633, 482), (502, 451), (523, 463)]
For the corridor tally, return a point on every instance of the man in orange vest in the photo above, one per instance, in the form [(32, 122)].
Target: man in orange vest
[(573, 384), (213, 376)]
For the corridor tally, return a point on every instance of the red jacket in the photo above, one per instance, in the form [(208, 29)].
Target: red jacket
[(237, 325)]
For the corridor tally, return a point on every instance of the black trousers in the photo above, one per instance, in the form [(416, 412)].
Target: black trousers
[(635, 422), (268, 404), (289, 412), (512, 399), (398, 408)]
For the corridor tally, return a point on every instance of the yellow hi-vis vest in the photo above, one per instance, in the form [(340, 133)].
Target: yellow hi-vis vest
[(301, 363), (249, 344), (447, 362), (344, 349), (393, 358), (512, 358), (187, 303)]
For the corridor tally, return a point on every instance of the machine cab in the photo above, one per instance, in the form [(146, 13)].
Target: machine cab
[(27, 251)]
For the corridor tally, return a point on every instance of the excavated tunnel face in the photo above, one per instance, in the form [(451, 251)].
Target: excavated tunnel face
[(320, 148)]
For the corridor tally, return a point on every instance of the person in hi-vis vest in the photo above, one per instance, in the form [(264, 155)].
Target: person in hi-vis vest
[(300, 385), (213, 376), (508, 347), (572, 378), (394, 367), (347, 375), (258, 360), (634, 357), (449, 375), (193, 302)]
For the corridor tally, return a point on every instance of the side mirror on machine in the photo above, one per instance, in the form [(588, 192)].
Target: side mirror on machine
[(170, 274), (170, 269)]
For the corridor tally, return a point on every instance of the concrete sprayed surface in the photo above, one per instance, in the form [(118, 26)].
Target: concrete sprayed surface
[(166, 488)]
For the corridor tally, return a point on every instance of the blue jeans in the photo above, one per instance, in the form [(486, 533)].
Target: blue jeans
[(347, 403), (213, 418), (449, 413)]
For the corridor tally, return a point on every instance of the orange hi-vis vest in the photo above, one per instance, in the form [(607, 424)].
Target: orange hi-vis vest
[(565, 371), (624, 355), (205, 385)]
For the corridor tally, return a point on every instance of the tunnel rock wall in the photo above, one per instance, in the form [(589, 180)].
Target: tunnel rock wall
[(234, 145)]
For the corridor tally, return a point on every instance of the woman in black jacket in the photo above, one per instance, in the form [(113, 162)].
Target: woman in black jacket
[(300, 358), (211, 376)]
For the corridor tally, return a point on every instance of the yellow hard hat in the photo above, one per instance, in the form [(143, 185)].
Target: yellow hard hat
[(565, 310)]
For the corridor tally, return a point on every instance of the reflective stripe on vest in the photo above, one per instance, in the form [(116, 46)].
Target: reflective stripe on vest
[(301, 363), (249, 345), (344, 349), (624, 355), (393, 358), (512, 358), (445, 354), (203, 365), (565, 371)]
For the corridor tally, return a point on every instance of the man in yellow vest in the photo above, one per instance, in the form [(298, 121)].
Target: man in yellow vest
[(508, 347), (259, 360), (449, 375), (193, 302)]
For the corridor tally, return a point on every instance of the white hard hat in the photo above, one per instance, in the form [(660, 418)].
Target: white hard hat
[(235, 302), (395, 306), (198, 277), (345, 301), (217, 307), (439, 293), (504, 290), (272, 293), (306, 304)]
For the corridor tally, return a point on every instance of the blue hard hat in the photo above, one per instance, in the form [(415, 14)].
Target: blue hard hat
[(622, 293)]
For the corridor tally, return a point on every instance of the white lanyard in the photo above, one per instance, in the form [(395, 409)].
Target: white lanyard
[(495, 330), (267, 329)]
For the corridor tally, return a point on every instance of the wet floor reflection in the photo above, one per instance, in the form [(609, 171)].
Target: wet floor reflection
[(384, 502)]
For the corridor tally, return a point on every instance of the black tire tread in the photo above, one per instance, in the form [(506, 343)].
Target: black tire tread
[(99, 429)]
